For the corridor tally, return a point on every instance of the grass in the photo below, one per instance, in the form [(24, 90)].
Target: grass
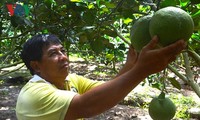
[(183, 104)]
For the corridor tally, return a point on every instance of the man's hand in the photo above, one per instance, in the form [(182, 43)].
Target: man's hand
[(131, 56), (130, 61), (152, 60)]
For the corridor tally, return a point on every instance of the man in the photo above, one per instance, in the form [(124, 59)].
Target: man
[(54, 94)]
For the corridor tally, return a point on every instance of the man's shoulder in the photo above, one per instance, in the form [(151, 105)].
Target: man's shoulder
[(73, 77), (37, 85)]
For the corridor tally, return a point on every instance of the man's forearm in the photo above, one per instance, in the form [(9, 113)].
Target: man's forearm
[(125, 68), (96, 101)]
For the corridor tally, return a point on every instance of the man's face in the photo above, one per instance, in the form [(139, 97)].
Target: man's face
[(54, 62)]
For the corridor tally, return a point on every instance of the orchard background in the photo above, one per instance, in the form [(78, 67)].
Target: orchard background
[(98, 31)]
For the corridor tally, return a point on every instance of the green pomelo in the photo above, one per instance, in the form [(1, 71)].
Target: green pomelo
[(139, 34), (162, 109), (171, 24)]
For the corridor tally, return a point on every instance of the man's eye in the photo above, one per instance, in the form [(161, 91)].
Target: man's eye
[(63, 51), (52, 53)]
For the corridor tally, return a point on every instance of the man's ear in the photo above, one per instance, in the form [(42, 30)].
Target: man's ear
[(35, 66)]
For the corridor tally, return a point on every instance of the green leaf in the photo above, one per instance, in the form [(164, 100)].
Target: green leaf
[(89, 16), (91, 6), (97, 45), (166, 3), (110, 56), (183, 3), (197, 14), (110, 33), (109, 5), (157, 85), (128, 20), (98, 2), (162, 79), (45, 31), (175, 83), (75, 0), (83, 39), (105, 10)]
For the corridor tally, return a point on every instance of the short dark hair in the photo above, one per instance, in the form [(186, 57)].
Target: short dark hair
[(33, 49)]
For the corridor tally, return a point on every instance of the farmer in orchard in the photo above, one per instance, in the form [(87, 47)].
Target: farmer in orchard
[(54, 94)]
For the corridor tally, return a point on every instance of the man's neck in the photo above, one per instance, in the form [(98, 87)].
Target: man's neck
[(59, 82)]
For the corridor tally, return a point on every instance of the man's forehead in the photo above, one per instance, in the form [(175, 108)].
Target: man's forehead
[(53, 47)]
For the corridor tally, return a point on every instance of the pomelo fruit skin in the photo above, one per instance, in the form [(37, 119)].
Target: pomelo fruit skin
[(139, 33), (162, 108), (171, 24)]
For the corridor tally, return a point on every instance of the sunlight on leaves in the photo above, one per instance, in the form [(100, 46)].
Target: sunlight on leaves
[(184, 2), (128, 20), (75, 0), (110, 56), (109, 5), (90, 6)]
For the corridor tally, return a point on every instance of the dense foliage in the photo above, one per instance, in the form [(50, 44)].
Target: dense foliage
[(94, 29)]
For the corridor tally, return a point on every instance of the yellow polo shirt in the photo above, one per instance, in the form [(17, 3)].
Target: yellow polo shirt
[(40, 100)]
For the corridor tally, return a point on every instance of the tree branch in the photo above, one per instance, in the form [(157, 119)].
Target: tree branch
[(24, 33), (195, 56), (119, 35), (10, 65), (1, 75), (177, 73), (190, 75)]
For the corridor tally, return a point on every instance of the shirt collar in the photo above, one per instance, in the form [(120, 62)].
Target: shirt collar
[(36, 78)]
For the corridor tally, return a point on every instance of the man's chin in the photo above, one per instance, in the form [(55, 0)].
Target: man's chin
[(67, 72)]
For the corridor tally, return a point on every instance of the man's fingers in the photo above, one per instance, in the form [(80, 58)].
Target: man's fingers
[(175, 48), (132, 54), (152, 44)]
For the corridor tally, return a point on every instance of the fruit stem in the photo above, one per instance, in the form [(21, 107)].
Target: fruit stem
[(164, 78), (162, 95)]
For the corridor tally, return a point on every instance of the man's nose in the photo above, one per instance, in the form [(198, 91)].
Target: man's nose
[(63, 56)]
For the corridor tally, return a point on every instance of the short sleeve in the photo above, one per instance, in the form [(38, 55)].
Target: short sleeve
[(42, 101), (83, 84)]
